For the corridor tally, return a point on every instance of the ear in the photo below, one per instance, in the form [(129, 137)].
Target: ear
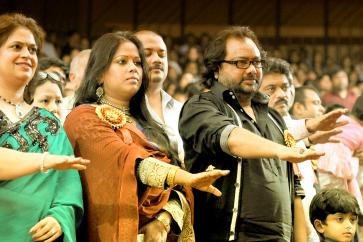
[(319, 226), (216, 75), (298, 109), (72, 76)]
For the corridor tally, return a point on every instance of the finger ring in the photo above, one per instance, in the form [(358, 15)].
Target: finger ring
[(210, 168), (301, 151), (52, 231)]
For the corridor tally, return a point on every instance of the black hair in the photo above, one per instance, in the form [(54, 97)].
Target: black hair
[(46, 62), (332, 201), (357, 110), (216, 50), (278, 66), (300, 95), (99, 61)]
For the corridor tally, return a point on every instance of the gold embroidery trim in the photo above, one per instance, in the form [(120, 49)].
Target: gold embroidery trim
[(153, 172), (112, 116), (289, 139)]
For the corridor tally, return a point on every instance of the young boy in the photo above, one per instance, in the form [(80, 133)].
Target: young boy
[(334, 214)]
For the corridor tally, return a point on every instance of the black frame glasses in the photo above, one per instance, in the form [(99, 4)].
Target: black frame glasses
[(245, 63)]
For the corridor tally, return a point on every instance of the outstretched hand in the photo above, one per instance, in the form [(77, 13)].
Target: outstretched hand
[(296, 155), (61, 162), (322, 137), (327, 121), (203, 181)]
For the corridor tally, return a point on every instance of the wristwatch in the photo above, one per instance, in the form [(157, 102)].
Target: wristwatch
[(164, 219)]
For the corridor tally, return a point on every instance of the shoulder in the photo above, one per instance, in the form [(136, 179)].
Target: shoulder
[(81, 114)]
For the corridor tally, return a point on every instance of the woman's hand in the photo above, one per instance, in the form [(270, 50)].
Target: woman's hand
[(154, 231), (47, 230), (61, 162), (203, 181)]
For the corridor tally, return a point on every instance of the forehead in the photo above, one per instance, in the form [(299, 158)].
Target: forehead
[(127, 48), (310, 94), (275, 79), (48, 88), (241, 47), (152, 41), (21, 34)]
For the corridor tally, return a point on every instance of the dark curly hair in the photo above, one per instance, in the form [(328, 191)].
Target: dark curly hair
[(216, 50)]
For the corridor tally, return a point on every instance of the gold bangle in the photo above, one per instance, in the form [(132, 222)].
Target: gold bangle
[(42, 168), (171, 176)]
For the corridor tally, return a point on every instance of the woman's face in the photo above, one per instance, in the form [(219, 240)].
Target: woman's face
[(123, 78), (49, 96), (18, 57)]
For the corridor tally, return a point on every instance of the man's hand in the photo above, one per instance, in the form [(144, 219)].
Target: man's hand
[(327, 121), (296, 155), (322, 137)]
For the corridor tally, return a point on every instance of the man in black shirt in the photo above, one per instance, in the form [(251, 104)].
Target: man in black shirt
[(231, 127)]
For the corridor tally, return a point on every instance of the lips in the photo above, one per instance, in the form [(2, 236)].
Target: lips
[(24, 64)]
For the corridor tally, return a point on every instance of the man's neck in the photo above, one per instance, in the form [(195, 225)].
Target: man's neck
[(155, 101), (244, 99)]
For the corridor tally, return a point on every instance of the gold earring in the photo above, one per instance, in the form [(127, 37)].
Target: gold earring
[(99, 92)]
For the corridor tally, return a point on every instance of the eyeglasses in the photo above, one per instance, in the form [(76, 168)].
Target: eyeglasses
[(245, 63), (51, 75)]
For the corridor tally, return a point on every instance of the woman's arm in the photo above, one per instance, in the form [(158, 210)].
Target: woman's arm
[(14, 164)]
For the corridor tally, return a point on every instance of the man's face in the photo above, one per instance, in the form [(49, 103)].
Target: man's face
[(340, 81), (277, 86), (243, 81), (156, 56), (311, 108)]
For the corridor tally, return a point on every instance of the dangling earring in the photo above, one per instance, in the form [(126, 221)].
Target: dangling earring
[(99, 92)]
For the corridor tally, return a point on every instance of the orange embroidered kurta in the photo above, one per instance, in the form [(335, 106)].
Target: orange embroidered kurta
[(115, 202)]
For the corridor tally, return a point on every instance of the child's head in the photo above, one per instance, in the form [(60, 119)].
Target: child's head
[(45, 90), (334, 214)]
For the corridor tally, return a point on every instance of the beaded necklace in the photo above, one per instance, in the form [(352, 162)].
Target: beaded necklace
[(17, 106)]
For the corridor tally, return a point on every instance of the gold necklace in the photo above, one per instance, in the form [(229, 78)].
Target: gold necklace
[(17, 106), (126, 110)]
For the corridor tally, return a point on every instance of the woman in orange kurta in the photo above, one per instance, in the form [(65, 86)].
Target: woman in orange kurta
[(130, 184)]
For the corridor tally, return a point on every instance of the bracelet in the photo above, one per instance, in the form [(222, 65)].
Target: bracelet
[(42, 168), (171, 175)]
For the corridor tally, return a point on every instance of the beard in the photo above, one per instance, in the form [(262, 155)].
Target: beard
[(239, 87)]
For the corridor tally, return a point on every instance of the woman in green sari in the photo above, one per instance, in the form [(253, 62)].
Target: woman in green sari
[(36, 204)]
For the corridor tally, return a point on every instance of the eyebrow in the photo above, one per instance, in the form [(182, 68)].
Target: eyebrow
[(24, 43)]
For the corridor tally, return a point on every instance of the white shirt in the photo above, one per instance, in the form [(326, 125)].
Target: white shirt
[(171, 110)]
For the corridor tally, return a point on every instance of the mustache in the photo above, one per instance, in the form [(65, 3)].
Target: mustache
[(282, 101), (250, 76), (156, 66)]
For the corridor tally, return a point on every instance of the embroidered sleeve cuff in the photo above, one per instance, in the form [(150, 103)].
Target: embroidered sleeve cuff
[(175, 210), (224, 138), (153, 172)]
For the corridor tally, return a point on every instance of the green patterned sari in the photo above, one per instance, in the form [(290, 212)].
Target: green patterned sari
[(26, 200)]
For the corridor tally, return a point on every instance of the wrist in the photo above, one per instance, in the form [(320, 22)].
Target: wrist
[(43, 168), (309, 125)]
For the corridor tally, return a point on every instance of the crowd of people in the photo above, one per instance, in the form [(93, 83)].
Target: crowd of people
[(204, 140)]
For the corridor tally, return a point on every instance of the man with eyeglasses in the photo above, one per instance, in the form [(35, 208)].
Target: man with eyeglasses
[(231, 127)]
